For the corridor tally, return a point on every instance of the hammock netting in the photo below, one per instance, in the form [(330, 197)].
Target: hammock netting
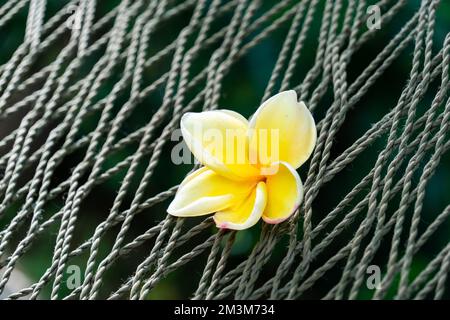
[(93, 90)]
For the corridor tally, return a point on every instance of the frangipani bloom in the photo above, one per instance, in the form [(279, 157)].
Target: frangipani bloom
[(259, 179)]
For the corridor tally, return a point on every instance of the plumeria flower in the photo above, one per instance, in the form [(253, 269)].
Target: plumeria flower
[(253, 175)]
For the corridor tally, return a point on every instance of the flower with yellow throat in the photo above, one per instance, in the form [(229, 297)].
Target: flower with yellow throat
[(249, 167)]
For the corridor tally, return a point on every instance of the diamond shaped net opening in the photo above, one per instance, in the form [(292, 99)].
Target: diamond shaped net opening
[(92, 91)]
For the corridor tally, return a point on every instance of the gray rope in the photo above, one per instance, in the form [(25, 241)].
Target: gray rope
[(110, 67)]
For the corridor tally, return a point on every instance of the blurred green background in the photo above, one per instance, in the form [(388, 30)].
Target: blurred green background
[(242, 90)]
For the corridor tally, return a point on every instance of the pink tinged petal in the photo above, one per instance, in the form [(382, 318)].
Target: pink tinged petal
[(204, 192), (284, 194), (282, 129), (218, 140), (246, 213)]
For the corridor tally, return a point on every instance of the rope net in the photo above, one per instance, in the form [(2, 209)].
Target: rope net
[(90, 97)]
